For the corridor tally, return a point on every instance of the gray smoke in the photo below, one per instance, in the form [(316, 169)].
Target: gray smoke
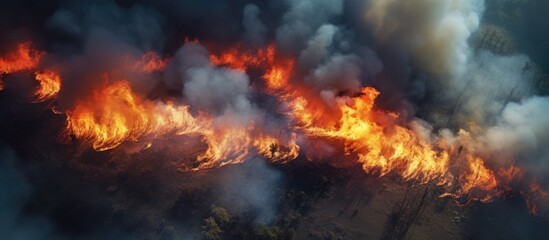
[(435, 33), (223, 92), (255, 30), (491, 95), (339, 73), (488, 84), (252, 187), (302, 20), (521, 135), (317, 47), (424, 44)]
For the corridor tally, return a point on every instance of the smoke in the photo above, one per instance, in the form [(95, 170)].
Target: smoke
[(317, 47), (138, 25), (419, 53), (255, 30), (220, 91), (434, 33), (253, 188), (491, 95), (489, 83), (93, 42), (521, 135), (15, 193), (342, 73), (302, 20), (470, 85)]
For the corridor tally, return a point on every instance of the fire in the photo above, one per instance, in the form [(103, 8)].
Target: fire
[(372, 138), (148, 63), (381, 147), (115, 114), (272, 148), (24, 57), (49, 85), (225, 146), (535, 194), (242, 60), (389, 148)]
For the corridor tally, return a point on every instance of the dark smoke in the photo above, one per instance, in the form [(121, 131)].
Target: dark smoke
[(15, 194)]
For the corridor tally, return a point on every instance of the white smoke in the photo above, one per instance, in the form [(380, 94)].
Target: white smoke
[(491, 96), (434, 32), (223, 92), (488, 84), (521, 135)]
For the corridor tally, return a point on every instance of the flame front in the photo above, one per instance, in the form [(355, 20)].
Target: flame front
[(115, 114), (374, 139), (379, 146)]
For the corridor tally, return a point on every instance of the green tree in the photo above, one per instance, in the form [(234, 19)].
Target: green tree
[(211, 230), (220, 215), (267, 233)]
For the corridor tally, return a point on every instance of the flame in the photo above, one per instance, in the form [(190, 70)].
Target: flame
[(225, 146), (381, 147), (272, 148), (148, 63), (533, 195), (49, 85), (242, 60), (21, 59), (115, 114), (373, 138)]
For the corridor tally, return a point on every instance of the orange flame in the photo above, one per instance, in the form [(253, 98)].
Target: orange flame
[(241, 60), (115, 114), (49, 85), (534, 195), (148, 63), (371, 137), (381, 147), (272, 148), (23, 58), (225, 146)]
